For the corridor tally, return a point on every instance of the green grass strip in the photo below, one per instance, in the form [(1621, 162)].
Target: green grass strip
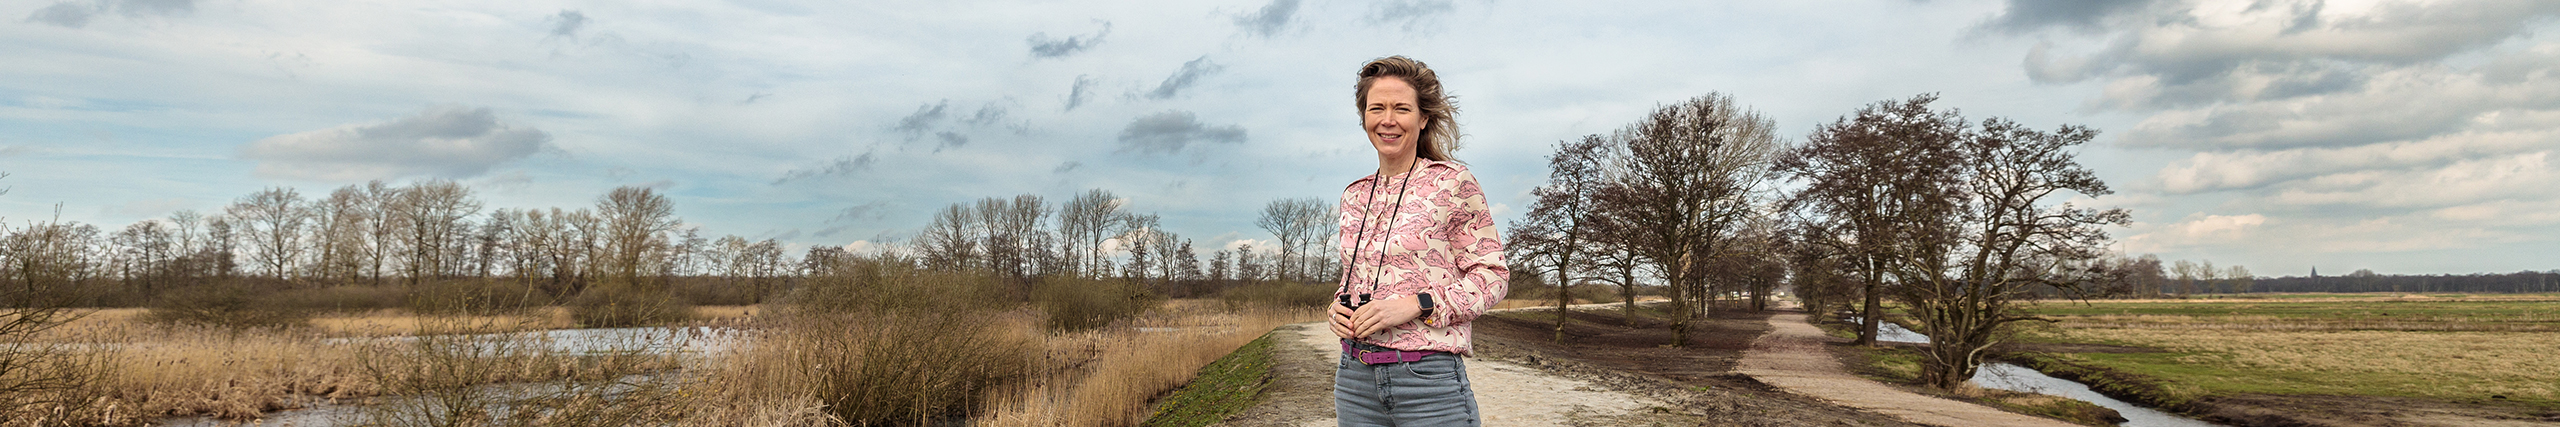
[(1222, 389)]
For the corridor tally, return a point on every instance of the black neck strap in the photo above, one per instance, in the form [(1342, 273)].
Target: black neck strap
[(1360, 239)]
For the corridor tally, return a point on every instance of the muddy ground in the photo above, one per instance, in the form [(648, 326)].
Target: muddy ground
[(2274, 410), (1697, 379)]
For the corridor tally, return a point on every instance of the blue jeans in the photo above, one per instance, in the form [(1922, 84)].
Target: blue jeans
[(1428, 392)]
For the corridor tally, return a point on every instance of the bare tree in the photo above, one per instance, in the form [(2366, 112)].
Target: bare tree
[(1558, 225), (2186, 274), (1965, 262), (949, 241), (48, 265), (1010, 235), (272, 220), (429, 216), (1687, 176), (2240, 278), (1860, 174), (1083, 223), (1298, 224), (637, 221)]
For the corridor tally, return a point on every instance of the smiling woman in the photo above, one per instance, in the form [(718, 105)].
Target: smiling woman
[(1420, 267)]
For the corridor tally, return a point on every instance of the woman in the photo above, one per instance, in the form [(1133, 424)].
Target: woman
[(1421, 260)]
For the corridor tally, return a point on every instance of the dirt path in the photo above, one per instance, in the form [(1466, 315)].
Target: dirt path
[(1507, 393), (1792, 357)]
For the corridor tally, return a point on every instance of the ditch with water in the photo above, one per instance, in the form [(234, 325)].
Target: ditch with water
[(2011, 377)]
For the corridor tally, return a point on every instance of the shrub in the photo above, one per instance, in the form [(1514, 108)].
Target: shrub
[(455, 380), (229, 304), (473, 296), (618, 304), (1278, 295), (1074, 304), (888, 287), (876, 343), (341, 299)]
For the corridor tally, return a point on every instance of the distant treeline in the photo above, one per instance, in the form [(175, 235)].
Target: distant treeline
[(2366, 281)]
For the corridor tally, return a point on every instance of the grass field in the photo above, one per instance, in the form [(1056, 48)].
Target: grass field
[(2452, 348)]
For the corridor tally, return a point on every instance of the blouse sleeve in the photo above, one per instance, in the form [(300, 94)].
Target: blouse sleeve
[(1482, 277)]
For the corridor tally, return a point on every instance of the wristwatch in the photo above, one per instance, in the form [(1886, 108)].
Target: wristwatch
[(1427, 306)]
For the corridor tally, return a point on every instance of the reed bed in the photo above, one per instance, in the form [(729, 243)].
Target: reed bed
[(1109, 378)]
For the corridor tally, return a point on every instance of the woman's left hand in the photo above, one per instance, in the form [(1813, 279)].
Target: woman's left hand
[(1380, 315)]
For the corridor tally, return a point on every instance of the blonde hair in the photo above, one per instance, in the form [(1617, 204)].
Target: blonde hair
[(1439, 110)]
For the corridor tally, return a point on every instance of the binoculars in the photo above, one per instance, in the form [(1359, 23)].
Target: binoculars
[(1347, 303)]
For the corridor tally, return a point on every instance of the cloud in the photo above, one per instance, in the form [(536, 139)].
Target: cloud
[(1168, 132), (1044, 47), (986, 115), (568, 23), (447, 141), (64, 14), (1269, 20), (2085, 15), (1081, 92), (2410, 124), (72, 14), (2196, 230), (1190, 74), (950, 140), (925, 117), (866, 212), (1068, 166), (841, 167), (1409, 13)]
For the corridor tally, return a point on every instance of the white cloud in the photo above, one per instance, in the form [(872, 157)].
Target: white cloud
[(2195, 230), (447, 141)]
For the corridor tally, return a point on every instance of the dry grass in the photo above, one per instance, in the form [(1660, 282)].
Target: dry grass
[(1109, 377), (2446, 365), (150, 371), (1100, 377)]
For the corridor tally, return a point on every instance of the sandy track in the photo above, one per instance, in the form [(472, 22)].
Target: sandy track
[(1507, 393), (1792, 357)]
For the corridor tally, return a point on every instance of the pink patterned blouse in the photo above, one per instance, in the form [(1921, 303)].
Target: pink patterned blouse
[(1442, 242)]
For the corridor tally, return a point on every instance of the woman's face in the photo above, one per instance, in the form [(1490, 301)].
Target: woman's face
[(1392, 118)]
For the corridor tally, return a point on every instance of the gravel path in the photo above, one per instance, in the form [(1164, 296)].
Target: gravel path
[(1508, 393), (1792, 357)]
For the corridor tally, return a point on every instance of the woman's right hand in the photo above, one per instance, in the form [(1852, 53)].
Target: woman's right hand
[(1340, 319)]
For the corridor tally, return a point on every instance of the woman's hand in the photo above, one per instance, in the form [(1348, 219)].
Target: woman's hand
[(1340, 318), (1383, 314)]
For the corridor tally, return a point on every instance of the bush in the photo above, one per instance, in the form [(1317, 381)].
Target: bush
[(342, 299), (1278, 295), (910, 368), (1074, 304), (473, 296), (229, 304), (884, 343), (458, 380), (619, 304), (890, 287)]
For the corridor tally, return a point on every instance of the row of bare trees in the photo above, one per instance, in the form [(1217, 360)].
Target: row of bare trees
[(1952, 218), (381, 234), (1096, 236)]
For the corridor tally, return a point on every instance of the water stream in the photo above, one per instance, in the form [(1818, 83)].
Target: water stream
[(2004, 376)]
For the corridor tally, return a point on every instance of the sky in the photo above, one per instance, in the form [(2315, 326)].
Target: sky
[(2410, 137)]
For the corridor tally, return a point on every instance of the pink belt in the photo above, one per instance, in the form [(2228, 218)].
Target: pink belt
[(1373, 357)]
